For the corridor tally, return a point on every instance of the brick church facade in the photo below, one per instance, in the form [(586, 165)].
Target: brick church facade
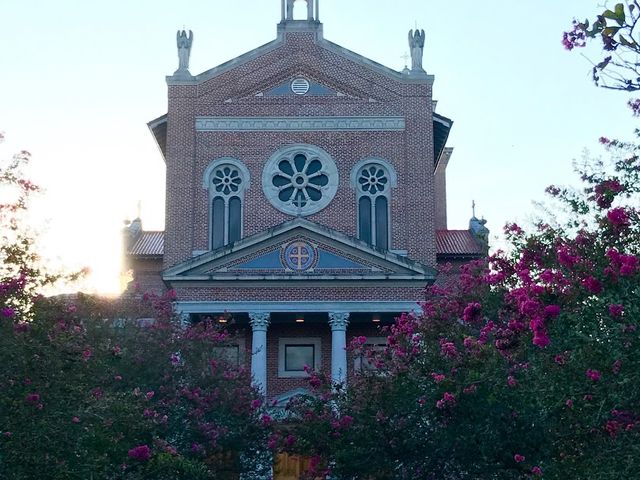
[(305, 200)]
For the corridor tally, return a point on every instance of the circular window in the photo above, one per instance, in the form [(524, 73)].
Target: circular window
[(300, 179), (226, 179), (300, 86), (373, 179)]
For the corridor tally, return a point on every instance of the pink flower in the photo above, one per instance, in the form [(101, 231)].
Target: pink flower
[(149, 395), (266, 420), (141, 452), (448, 349), (617, 365), (86, 354), (618, 218), (7, 312), (593, 374), (629, 265), (616, 310), (470, 389), (437, 377), (574, 38), (511, 381), (257, 403), (569, 403), (519, 458), (592, 285), (536, 470), (472, 312), (290, 441), (541, 338), (272, 442), (551, 311), (75, 420), (33, 398), (7, 434)]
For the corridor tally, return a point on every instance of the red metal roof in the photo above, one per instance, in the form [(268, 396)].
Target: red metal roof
[(148, 244), (448, 242), (458, 242)]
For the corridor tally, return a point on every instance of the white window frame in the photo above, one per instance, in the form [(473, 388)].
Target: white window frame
[(375, 342), (244, 186), (284, 341), (241, 343), (393, 183)]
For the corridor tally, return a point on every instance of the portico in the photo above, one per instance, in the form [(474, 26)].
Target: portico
[(281, 341)]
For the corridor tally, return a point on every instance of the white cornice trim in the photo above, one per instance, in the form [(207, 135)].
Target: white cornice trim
[(296, 307), (299, 124)]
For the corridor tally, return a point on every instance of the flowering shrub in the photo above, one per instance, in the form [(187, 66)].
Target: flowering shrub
[(529, 367), (88, 390), (617, 30)]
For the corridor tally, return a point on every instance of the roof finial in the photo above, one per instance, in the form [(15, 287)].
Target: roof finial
[(139, 209), (184, 42), (406, 57), (416, 44), (473, 208)]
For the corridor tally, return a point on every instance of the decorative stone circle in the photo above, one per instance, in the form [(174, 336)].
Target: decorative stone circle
[(226, 179), (300, 86), (299, 256), (373, 179), (300, 179)]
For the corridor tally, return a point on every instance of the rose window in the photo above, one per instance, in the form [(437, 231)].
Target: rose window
[(226, 180), (300, 179), (373, 180)]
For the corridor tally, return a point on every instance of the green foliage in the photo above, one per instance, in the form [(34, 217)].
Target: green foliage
[(112, 389), (528, 367)]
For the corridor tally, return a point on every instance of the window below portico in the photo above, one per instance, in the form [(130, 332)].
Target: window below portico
[(363, 363), (294, 354)]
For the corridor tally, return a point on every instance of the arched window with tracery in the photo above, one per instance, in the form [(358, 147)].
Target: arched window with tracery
[(226, 179), (373, 180)]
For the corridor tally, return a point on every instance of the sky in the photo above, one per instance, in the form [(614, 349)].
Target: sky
[(80, 80)]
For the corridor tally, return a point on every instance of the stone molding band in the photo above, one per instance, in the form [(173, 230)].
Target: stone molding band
[(299, 124)]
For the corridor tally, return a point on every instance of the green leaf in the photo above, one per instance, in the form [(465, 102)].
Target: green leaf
[(610, 31), (620, 16), (627, 43)]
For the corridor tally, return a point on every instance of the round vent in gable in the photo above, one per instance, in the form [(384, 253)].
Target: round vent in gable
[(300, 86)]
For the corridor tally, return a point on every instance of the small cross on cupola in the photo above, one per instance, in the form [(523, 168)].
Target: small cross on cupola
[(288, 10)]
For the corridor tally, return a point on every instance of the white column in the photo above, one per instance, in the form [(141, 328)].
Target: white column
[(259, 324), (309, 10), (339, 322)]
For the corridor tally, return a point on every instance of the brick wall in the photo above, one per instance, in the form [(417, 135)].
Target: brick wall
[(233, 94)]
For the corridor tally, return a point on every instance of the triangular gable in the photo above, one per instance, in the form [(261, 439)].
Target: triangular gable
[(299, 250), (290, 79), (273, 260), (301, 86)]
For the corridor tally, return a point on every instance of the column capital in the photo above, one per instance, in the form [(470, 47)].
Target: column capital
[(185, 319), (259, 320), (338, 320)]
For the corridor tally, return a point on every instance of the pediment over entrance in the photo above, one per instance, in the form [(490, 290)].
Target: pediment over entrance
[(299, 250)]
